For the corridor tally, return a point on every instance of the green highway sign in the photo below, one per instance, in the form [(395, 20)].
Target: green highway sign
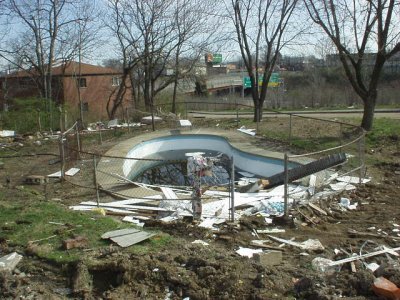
[(274, 80), (217, 58)]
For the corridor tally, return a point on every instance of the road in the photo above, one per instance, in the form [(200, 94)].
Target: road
[(323, 114)]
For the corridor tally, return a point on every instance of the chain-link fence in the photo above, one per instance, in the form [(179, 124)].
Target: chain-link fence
[(158, 185), (163, 183)]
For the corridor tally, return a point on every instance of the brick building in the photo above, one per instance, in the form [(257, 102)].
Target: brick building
[(94, 85)]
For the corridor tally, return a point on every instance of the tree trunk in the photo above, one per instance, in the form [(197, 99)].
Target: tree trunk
[(173, 109), (369, 108), (258, 106)]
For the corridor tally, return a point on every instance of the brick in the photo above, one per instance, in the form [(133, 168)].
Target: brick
[(268, 258), (77, 242)]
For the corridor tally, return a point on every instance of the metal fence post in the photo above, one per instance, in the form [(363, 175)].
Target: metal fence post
[(127, 119), (95, 180), (78, 141), (286, 181), (361, 157), (290, 129), (100, 136), (237, 113), (186, 110), (62, 156), (232, 187)]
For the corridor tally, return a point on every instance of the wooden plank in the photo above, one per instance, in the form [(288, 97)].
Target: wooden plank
[(128, 207), (131, 239), (358, 257), (169, 193), (266, 246), (91, 207), (317, 208), (119, 232), (136, 200)]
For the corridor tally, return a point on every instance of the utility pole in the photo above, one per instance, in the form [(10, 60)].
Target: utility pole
[(80, 73)]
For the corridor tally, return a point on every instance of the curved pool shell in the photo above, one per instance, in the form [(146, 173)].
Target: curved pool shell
[(243, 148)]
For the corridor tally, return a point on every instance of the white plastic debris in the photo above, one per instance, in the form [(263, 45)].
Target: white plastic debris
[(7, 133), (247, 131), (345, 202), (247, 252), (10, 261), (185, 123), (200, 242), (372, 266)]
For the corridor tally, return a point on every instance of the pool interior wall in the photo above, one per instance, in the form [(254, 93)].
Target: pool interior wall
[(156, 148)]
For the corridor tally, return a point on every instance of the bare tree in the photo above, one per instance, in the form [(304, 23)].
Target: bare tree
[(154, 36), (145, 32), (195, 31), (262, 30), (47, 33), (365, 35)]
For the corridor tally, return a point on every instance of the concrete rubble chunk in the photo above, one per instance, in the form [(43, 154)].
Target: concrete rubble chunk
[(10, 261), (268, 258), (36, 179)]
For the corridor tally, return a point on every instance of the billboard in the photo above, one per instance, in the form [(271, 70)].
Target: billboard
[(214, 59)]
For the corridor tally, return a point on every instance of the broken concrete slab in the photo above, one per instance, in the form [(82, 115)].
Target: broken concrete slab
[(36, 179), (268, 257), (10, 261)]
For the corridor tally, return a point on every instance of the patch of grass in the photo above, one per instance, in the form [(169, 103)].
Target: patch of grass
[(383, 129), (23, 223)]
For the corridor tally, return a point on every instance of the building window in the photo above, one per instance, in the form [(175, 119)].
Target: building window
[(116, 81), (26, 82), (85, 106), (82, 82)]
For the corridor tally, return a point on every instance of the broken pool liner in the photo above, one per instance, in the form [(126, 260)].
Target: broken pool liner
[(174, 204)]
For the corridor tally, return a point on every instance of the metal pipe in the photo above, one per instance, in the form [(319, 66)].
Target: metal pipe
[(95, 181)]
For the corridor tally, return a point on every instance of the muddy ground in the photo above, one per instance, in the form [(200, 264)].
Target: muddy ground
[(193, 271)]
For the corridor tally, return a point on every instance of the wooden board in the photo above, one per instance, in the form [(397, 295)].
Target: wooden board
[(119, 232), (131, 239)]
